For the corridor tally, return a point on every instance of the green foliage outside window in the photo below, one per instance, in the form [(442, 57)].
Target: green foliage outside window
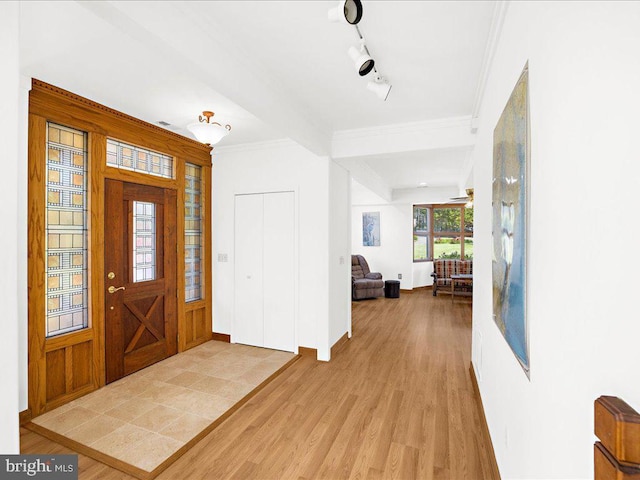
[(438, 231)]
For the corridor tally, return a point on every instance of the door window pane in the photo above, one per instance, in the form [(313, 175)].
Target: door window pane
[(130, 157), (193, 238), (144, 241), (66, 230)]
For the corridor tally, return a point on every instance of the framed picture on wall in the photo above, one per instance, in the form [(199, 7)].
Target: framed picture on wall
[(509, 220), (371, 229)]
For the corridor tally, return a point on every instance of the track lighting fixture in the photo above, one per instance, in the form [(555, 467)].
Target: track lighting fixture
[(347, 11), (379, 86), (350, 11), (361, 59)]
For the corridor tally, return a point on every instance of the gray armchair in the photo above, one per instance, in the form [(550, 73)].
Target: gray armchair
[(364, 283)]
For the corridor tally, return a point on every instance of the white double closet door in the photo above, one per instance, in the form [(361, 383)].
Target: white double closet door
[(265, 270)]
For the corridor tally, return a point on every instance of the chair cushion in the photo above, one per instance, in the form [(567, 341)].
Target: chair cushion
[(465, 267), (368, 283), (356, 272), (445, 268)]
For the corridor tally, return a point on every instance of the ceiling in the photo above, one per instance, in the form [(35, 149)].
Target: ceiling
[(272, 69)]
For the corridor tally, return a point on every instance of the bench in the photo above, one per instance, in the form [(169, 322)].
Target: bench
[(443, 268)]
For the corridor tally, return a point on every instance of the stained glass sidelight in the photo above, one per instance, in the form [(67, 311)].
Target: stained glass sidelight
[(193, 237), (66, 230), (129, 157), (144, 241)]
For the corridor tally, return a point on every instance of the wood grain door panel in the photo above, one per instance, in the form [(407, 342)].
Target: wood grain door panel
[(141, 319)]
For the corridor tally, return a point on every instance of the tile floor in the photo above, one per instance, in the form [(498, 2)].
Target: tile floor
[(145, 417)]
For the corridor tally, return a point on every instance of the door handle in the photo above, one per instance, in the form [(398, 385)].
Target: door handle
[(113, 289)]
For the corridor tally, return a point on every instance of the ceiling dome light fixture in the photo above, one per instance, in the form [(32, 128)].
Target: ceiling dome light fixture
[(347, 11), (379, 86), (207, 131)]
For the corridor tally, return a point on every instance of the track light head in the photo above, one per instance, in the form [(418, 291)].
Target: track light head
[(380, 87), (361, 59), (347, 11)]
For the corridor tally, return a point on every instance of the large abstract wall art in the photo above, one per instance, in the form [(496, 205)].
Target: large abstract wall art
[(510, 166)]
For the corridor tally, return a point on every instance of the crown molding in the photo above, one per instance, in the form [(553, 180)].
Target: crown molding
[(495, 31), (253, 146)]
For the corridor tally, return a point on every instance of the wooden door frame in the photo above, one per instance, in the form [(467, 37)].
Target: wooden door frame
[(63, 359)]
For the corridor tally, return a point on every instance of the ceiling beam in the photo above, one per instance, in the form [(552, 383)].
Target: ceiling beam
[(408, 137), (367, 177)]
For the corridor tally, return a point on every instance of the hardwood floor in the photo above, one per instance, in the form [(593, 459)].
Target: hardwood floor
[(396, 401)]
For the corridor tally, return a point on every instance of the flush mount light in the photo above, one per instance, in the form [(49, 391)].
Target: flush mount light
[(347, 11), (379, 86), (207, 131), (361, 59)]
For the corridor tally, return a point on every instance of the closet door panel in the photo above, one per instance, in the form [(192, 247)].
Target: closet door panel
[(279, 271), (249, 228)]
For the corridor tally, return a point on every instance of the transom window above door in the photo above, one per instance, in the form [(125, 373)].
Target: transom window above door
[(129, 157)]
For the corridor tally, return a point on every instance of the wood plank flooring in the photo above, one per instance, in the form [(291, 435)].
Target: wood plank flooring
[(396, 401)]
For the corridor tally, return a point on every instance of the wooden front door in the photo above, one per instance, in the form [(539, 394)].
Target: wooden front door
[(140, 277)]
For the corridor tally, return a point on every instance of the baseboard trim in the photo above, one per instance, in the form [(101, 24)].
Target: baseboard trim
[(221, 337), (483, 419), (308, 352), (25, 417), (416, 289), (339, 344)]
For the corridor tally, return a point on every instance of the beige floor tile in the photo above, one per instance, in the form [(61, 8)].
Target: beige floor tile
[(259, 373), (157, 418), (222, 371), (162, 392), (65, 421), (134, 385), (215, 346), (186, 427), (233, 390), (209, 384), (160, 372), (278, 355), (256, 352), (131, 409), (103, 399), (182, 362), (121, 442), (186, 379), (95, 429), (202, 404), (157, 448)]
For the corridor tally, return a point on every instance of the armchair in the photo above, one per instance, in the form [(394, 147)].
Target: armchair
[(364, 283)]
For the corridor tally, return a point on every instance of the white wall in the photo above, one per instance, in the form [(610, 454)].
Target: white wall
[(339, 253), (9, 152), (585, 171), (395, 253), (269, 167)]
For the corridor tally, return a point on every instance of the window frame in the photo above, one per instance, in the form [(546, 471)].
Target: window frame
[(432, 234)]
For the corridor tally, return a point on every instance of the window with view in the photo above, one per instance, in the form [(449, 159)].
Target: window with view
[(442, 231)]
